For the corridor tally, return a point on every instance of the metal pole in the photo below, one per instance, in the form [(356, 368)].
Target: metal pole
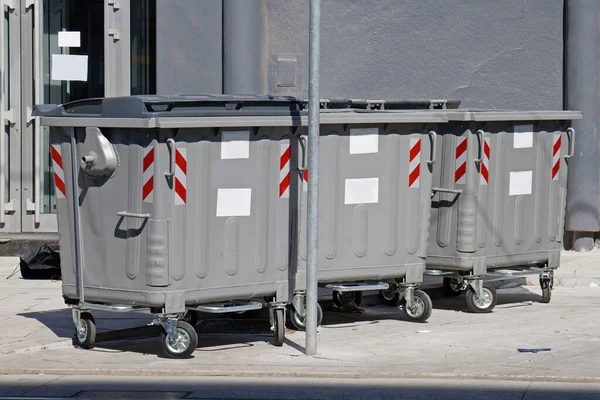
[(582, 36), (313, 181), (76, 227)]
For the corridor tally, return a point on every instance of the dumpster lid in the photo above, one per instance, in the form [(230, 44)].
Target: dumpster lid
[(483, 115), (173, 106)]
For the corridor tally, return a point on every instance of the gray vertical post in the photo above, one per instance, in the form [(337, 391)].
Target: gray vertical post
[(313, 177), (76, 226), (581, 93), (242, 47), (117, 48)]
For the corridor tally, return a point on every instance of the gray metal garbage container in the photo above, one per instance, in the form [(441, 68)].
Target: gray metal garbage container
[(499, 199), (178, 207), (374, 205)]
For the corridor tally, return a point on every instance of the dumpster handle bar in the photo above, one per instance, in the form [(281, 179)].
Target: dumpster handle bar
[(480, 134), (223, 308), (358, 287), (455, 191), (433, 137), (102, 307), (171, 146), (571, 134), (133, 215)]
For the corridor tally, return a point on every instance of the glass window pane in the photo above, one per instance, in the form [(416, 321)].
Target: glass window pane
[(143, 47)]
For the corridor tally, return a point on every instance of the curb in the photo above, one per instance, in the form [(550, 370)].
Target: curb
[(309, 373)]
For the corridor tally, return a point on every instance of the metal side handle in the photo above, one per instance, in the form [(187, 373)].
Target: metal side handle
[(433, 138), (171, 146), (442, 190), (133, 215), (302, 143), (571, 135), (481, 146)]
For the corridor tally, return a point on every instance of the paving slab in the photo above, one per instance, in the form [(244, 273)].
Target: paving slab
[(36, 333)]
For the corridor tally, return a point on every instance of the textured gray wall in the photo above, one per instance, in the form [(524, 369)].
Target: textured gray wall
[(487, 53), (189, 46)]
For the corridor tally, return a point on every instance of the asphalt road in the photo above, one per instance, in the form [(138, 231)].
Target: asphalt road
[(94, 387)]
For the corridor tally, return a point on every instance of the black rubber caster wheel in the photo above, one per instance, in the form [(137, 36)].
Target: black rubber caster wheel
[(422, 307), (452, 287), (298, 322), (184, 345), (279, 328), (85, 333), (486, 303)]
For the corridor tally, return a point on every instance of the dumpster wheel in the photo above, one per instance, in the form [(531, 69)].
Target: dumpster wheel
[(279, 327), (391, 297), (85, 332), (298, 321), (186, 343), (486, 303), (341, 299), (546, 285), (453, 287), (422, 307)]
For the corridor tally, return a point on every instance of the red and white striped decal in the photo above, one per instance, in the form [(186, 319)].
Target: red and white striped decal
[(284, 169), (305, 177), (556, 156), (148, 175), (59, 174), (180, 176), (460, 170), (485, 164), (414, 160)]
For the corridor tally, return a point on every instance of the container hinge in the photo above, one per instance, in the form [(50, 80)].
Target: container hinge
[(375, 104), (29, 4), (325, 103), (114, 3), (438, 104), (10, 116), (114, 33)]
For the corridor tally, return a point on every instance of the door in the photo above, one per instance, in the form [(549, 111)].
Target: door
[(54, 52)]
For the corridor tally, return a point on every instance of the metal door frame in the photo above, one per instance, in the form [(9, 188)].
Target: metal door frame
[(27, 160)]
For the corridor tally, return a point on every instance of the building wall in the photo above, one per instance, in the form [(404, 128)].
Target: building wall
[(189, 46), (487, 53)]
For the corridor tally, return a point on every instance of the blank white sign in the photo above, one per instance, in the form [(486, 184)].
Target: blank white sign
[(361, 191), (234, 202), (67, 67), (69, 39), (520, 183)]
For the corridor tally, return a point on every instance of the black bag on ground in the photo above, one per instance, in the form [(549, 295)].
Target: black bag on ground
[(41, 262)]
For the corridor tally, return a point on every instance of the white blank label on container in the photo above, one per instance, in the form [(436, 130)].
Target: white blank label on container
[(523, 136), (364, 140), (69, 39), (235, 145), (520, 183), (69, 68), (234, 202), (361, 191)]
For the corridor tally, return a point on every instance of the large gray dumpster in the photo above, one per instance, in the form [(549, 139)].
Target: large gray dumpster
[(499, 199), (193, 203), (374, 206), (178, 207)]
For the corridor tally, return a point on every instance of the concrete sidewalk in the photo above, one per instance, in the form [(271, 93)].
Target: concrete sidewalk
[(36, 331)]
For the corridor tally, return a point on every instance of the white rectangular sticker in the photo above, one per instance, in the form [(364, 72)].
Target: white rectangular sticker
[(234, 202), (69, 39), (235, 145), (361, 191), (520, 183), (364, 140), (69, 68), (523, 136)]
